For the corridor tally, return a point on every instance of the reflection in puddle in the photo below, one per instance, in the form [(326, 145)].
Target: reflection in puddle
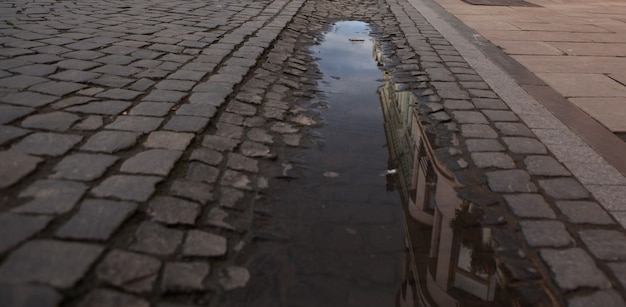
[(451, 260)]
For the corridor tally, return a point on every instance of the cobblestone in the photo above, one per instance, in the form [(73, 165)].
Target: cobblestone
[(96, 220), (49, 144), (14, 166), (127, 187), (573, 268), (55, 263), (152, 162), (156, 239), (130, 271), (51, 196), (172, 210), (184, 276), (83, 167)]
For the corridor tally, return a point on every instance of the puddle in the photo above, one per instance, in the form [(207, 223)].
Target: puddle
[(334, 235), (334, 232)]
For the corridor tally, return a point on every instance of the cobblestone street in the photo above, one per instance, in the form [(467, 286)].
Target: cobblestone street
[(138, 140)]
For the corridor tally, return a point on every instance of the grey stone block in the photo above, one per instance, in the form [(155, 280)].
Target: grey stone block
[(151, 109), (14, 166), (110, 298), (156, 239), (49, 144), (219, 143), (28, 99), (51, 196), (469, 117), (9, 133), (584, 212), (143, 124), (524, 145), (197, 191), (204, 244), (84, 167), (96, 219), (129, 271), (55, 263), (168, 140), (546, 233), (152, 162), (259, 135), (492, 159), (478, 131), (202, 173), (564, 188), (510, 181), (15, 228), (55, 121), (109, 107), (573, 268), (236, 179), (110, 141), (184, 276), (127, 187), (514, 129), (28, 295), (207, 155), (596, 173), (480, 145), (612, 198), (181, 123), (605, 244), (529, 206), (172, 210), (544, 166), (203, 110), (10, 113)]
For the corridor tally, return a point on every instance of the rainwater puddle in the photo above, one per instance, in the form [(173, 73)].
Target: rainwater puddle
[(335, 236)]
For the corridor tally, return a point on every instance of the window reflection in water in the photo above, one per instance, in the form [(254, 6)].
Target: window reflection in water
[(450, 261)]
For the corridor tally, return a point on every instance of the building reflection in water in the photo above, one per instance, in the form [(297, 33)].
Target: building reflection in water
[(450, 261)]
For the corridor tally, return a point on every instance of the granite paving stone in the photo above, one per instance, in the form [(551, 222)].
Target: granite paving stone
[(127, 187), (10, 133), (480, 145), (90, 123), (184, 276), (152, 162), (233, 277), (156, 239), (478, 131), (564, 188), (110, 298), (207, 155), (545, 166), (197, 191), (204, 244), (240, 162), (117, 70), (108, 107), (55, 121), (201, 172), (529, 206), (110, 141), (56, 263), (28, 295), (165, 96), (14, 166), (151, 109), (582, 212), (21, 82), (254, 149), (45, 143), (76, 64), (546, 233), (112, 81), (510, 181), (135, 123), (130, 271), (180, 123), (219, 143), (573, 268), (202, 110), (96, 219), (57, 88), (71, 101), (596, 173), (514, 129), (83, 167), (10, 113), (29, 99), (169, 140), (236, 179), (172, 210), (51, 196), (492, 159), (119, 94), (39, 70), (524, 145), (15, 228), (605, 244)]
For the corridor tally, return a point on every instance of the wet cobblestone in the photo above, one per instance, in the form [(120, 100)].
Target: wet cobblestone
[(170, 118)]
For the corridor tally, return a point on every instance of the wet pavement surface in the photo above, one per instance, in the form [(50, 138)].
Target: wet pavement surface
[(230, 154)]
